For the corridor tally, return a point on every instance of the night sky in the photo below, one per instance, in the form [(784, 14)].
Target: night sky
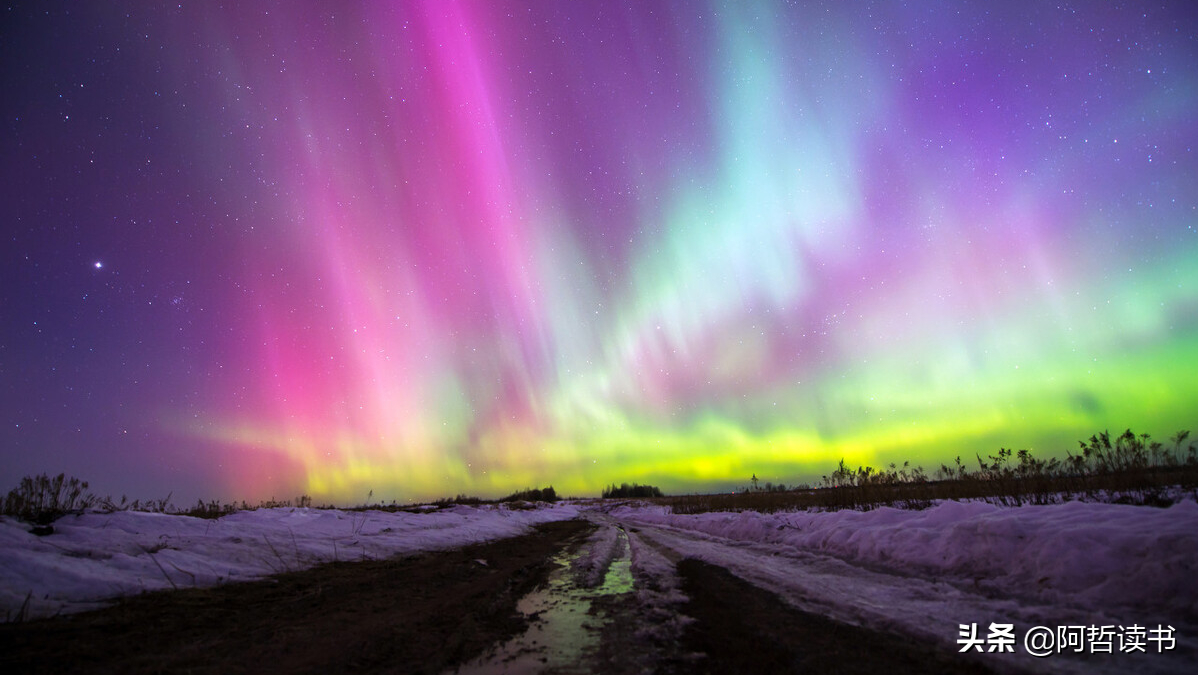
[(429, 248)]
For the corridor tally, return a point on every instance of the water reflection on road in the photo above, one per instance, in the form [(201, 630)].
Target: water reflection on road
[(565, 631)]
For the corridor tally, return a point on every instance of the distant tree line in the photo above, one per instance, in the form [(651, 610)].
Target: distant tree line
[(634, 491), (532, 495)]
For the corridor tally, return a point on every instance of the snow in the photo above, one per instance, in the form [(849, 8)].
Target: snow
[(922, 573), (1101, 556), (94, 557), (925, 573), (595, 556)]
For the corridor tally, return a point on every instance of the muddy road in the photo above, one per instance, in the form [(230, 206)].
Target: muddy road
[(578, 596)]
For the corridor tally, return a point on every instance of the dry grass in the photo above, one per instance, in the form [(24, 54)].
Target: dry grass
[(1129, 469)]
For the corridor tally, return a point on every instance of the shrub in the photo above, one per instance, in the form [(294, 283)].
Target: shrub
[(42, 499), (210, 509)]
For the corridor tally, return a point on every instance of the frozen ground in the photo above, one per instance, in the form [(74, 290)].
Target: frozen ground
[(919, 573)]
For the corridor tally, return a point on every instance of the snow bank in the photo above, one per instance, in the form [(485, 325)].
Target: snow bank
[(1097, 555), (94, 557), (595, 555)]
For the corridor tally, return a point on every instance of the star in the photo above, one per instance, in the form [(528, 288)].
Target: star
[(98, 265)]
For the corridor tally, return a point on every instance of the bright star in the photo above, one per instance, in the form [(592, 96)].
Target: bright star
[(98, 264)]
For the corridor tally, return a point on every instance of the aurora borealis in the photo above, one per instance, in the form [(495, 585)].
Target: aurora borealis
[(428, 248)]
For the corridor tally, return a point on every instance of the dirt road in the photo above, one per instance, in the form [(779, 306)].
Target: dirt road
[(413, 615), (563, 599)]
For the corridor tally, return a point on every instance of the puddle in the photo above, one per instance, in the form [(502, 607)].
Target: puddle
[(564, 634), (619, 575)]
